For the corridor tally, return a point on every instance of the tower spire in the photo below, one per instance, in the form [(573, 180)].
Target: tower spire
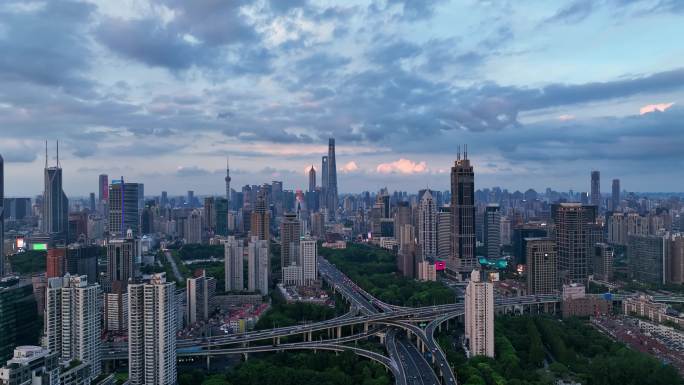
[(57, 153), (46, 154), (465, 152)]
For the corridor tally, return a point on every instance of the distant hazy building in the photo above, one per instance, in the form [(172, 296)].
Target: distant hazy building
[(193, 227), (331, 186), (221, 219), (463, 211), (260, 221), (615, 195), (542, 266), (312, 179), (258, 266), (227, 180), (152, 332), (595, 197), (234, 262), (200, 292), (124, 213), (427, 226), (72, 321), (407, 251), (479, 316), (492, 230)]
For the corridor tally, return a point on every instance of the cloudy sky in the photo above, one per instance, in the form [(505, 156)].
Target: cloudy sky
[(161, 91)]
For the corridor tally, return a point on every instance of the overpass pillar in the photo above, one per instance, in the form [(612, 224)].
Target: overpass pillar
[(246, 356), (382, 338), (339, 332), (365, 327)]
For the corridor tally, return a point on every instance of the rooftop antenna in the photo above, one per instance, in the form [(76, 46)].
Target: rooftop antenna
[(227, 162), (465, 152), (458, 153)]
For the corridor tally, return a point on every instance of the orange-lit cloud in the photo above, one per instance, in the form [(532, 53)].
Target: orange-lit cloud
[(402, 166), (349, 167), (655, 107)]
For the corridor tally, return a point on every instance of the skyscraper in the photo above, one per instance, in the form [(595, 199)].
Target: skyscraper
[(221, 220), (312, 179), (427, 226), (290, 232), (479, 316), (103, 188), (444, 233), (258, 266), (200, 291), (55, 262), (123, 208), (123, 258), (492, 230), (332, 179), (193, 227), (152, 332), (573, 237), (260, 222), (324, 182), (542, 266), (615, 195), (55, 203), (2, 217), (72, 320), (595, 197), (233, 265), (463, 211), (227, 179)]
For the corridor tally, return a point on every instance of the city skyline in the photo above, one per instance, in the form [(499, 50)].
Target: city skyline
[(162, 92)]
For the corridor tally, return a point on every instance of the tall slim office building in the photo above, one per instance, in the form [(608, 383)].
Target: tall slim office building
[(402, 217), (492, 230), (308, 253), (193, 227), (312, 179), (227, 179), (324, 182), (258, 266), (595, 197), (152, 325), (233, 265), (332, 179), (463, 211), (444, 233), (123, 208), (573, 237), (103, 188), (261, 221), (221, 220), (427, 226), (2, 217), (290, 233), (72, 321), (615, 195), (479, 316), (542, 266), (55, 203)]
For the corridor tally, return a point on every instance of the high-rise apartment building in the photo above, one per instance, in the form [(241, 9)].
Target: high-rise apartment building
[(290, 233), (124, 213), (56, 262), (72, 321), (595, 197), (152, 328), (479, 316), (492, 230), (234, 264), (615, 195), (55, 203), (574, 238), (31, 365), (542, 266), (427, 226), (675, 263), (463, 211), (308, 254), (200, 292), (647, 256), (258, 266)]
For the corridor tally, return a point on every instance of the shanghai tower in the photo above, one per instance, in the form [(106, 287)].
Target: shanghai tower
[(332, 179)]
